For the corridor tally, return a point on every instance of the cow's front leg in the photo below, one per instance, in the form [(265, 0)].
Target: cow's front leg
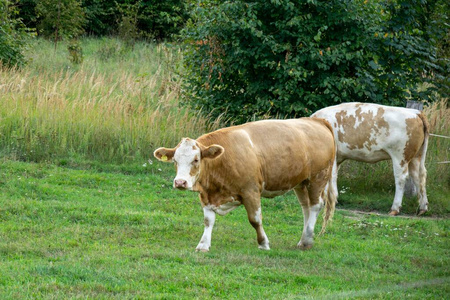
[(255, 218), (209, 218)]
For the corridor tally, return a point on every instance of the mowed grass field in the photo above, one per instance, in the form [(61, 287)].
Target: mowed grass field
[(124, 233), (84, 214)]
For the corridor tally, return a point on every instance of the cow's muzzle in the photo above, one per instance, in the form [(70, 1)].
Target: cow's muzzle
[(180, 184)]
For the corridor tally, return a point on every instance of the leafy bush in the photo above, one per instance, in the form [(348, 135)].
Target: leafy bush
[(60, 19), (13, 36), (406, 49), (75, 52), (277, 58), (163, 19), (157, 19)]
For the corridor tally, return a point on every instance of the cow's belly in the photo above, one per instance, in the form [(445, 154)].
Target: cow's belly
[(363, 155), (272, 194), (226, 207)]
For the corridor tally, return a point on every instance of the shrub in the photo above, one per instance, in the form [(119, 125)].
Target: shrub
[(60, 19), (75, 52), (13, 35), (280, 58)]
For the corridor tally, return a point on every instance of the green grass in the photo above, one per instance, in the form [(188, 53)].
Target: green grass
[(121, 232), (371, 187)]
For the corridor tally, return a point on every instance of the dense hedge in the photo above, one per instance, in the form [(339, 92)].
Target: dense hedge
[(284, 58)]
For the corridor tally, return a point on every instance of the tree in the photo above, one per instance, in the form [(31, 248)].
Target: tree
[(288, 58), (163, 19), (406, 49), (60, 19), (13, 35)]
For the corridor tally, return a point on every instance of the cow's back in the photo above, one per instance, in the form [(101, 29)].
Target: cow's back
[(369, 132)]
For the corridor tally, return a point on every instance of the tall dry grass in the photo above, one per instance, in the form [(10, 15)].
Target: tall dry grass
[(438, 154), (112, 108)]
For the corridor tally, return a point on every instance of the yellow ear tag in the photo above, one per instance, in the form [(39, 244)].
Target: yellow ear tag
[(164, 158)]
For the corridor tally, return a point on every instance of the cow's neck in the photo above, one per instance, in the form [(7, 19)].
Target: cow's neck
[(212, 186)]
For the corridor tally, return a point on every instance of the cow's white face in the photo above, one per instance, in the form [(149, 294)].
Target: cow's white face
[(187, 157), (187, 161)]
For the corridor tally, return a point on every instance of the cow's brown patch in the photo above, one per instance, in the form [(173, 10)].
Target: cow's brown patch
[(415, 132), (359, 137), (195, 167)]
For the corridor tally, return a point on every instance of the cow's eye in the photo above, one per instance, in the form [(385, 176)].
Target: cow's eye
[(195, 161)]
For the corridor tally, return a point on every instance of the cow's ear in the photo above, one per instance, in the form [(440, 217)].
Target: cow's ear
[(164, 154), (212, 151)]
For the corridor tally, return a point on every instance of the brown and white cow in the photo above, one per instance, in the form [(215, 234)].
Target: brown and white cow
[(370, 133), (239, 164)]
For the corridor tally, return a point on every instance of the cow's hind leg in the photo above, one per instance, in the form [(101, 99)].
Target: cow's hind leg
[(311, 203), (400, 174), (253, 207), (418, 174)]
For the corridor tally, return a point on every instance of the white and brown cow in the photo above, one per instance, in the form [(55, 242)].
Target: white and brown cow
[(239, 164), (370, 133)]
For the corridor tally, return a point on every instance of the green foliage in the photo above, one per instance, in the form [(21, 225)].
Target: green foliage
[(14, 36), (75, 52), (153, 19), (60, 19), (27, 12), (283, 58), (128, 30), (101, 17), (405, 48), (163, 19), (440, 32)]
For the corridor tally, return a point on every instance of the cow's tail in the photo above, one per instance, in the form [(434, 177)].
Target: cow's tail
[(330, 192), (423, 154), (423, 149)]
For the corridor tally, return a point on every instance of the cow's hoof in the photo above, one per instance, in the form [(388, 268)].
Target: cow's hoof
[(264, 247), (202, 250), (394, 212), (421, 212), (304, 246)]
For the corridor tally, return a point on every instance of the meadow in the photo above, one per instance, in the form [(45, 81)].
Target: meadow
[(116, 106), (85, 214), (126, 234)]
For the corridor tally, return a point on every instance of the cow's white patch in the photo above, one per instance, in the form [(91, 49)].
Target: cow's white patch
[(226, 208), (249, 139), (210, 218), (310, 221), (185, 156), (258, 216), (251, 143)]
